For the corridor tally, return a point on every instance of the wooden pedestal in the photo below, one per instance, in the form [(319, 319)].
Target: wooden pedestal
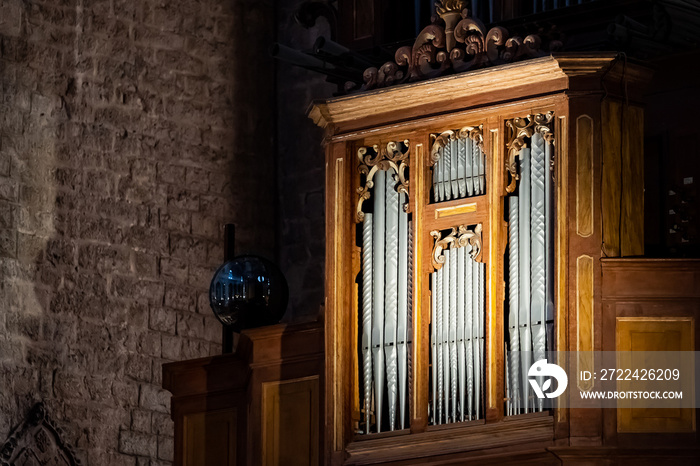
[(259, 405)]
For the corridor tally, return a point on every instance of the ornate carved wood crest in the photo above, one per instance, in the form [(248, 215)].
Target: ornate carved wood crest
[(518, 130), (380, 157), (37, 442), (455, 42), (440, 140), (457, 237)]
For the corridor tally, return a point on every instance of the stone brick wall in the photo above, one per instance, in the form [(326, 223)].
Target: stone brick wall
[(130, 132)]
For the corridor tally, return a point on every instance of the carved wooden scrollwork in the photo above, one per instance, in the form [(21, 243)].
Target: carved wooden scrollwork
[(458, 237), (455, 42), (441, 140), (520, 129), (393, 155)]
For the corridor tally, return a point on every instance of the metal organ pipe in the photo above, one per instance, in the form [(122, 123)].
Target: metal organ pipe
[(513, 299), (460, 170), (367, 315), (403, 309), (458, 332), (378, 307), (440, 338), (391, 295), (530, 270), (524, 272), (461, 349), (469, 334), (386, 302), (446, 362), (537, 251), (549, 239)]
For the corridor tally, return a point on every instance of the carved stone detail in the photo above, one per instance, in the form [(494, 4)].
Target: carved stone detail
[(441, 140), (382, 157), (519, 129), (458, 237), (37, 441), (455, 42)]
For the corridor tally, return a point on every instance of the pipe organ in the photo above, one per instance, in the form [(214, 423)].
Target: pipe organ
[(530, 276), (457, 326), (386, 291), (459, 169), (464, 244)]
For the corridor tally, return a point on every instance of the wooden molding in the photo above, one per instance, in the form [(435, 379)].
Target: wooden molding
[(525, 433), (516, 80)]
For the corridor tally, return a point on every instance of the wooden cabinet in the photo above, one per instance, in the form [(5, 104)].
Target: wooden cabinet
[(589, 108), (259, 405)]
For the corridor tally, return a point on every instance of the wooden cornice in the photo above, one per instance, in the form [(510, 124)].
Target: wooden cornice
[(576, 72)]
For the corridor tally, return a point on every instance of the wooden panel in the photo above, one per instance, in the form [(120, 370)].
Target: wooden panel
[(656, 334), (340, 196), (584, 316), (612, 168), (290, 422), (561, 251), (495, 245), (209, 438), (584, 176), (632, 228), (462, 208), (467, 211), (623, 179), (639, 279), (419, 391)]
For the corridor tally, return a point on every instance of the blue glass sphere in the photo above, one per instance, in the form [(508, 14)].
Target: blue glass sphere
[(248, 292)]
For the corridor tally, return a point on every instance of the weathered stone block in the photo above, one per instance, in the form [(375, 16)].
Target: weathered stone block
[(162, 424), (165, 448), (138, 367), (8, 243), (69, 386), (190, 325), (154, 398), (169, 173), (141, 420), (171, 346), (162, 320), (138, 443), (179, 297), (174, 270)]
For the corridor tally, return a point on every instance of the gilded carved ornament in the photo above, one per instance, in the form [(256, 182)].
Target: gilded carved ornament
[(455, 42), (441, 140), (520, 129), (393, 155), (457, 238)]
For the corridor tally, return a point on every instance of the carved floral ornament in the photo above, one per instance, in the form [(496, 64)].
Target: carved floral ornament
[(441, 140), (393, 155), (454, 43), (520, 129), (458, 237)]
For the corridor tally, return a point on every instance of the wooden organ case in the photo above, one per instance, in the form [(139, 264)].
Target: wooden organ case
[(476, 212)]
